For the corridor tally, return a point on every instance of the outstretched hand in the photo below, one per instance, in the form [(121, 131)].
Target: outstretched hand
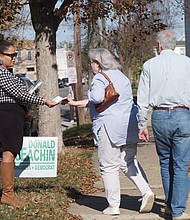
[(78, 103), (67, 101), (50, 103)]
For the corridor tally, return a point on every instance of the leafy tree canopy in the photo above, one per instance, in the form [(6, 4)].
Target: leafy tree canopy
[(89, 10), (94, 9), (9, 9)]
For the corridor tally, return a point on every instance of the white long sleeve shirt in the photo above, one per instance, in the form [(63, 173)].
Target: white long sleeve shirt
[(164, 82)]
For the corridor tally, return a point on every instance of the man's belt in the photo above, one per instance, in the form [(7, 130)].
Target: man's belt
[(170, 108)]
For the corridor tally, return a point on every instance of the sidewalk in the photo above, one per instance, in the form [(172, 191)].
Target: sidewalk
[(91, 206)]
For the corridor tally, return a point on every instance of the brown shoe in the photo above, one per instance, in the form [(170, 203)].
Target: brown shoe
[(13, 201), (166, 211)]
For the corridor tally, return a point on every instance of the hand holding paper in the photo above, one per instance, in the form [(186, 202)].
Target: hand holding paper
[(59, 99), (50, 103)]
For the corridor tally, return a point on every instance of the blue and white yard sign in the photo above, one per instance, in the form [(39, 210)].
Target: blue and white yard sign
[(38, 157)]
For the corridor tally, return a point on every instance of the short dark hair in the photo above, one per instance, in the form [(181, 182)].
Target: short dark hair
[(4, 45)]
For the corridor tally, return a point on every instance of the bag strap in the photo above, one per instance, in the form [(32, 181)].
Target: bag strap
[(106, 77)]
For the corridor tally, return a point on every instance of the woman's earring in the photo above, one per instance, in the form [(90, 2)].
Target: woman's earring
[(1, 62)]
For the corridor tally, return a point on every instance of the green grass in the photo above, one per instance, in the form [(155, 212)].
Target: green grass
[(49, 198), (80, 136)]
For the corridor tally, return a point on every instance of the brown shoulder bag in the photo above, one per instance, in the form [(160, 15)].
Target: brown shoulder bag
[(111, 95)]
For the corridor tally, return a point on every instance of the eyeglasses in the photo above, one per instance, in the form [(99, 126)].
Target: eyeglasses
[(11, 55), (93, 61), (90, 62)]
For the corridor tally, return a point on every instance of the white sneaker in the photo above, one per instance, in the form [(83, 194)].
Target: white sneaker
[(147, 202), (111, 211), (184, 216)]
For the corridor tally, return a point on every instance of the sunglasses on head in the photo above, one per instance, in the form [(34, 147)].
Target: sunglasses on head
[(11, 55)]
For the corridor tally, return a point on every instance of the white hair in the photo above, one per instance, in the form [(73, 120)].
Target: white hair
[(167, 39), (104, 58)]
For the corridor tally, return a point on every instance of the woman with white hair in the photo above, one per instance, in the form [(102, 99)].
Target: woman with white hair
[(115, 131)]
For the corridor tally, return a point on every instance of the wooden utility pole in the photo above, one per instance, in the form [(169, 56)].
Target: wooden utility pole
[(78, 90), (187, 26)]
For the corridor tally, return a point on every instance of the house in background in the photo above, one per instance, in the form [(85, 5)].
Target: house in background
[(26, 62), (180, 46)]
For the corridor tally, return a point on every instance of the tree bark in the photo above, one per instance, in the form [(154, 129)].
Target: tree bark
[(187, 26), (49, 119), (45, 24)]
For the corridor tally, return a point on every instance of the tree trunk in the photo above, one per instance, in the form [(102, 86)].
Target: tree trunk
[(45, 25), (49, 119)]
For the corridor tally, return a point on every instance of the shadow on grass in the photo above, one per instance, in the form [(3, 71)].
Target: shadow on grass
[(79, 136), (72, 193)]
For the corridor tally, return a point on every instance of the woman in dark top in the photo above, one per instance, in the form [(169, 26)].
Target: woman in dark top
[(13, 99)]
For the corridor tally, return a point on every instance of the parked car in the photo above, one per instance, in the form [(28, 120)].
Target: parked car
[(26, 80), (30, 122), (63, 82), (60, 83)]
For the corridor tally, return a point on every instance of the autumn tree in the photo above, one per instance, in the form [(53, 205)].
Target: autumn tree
[(46, 19), (130, 31), (126, 29), (8, 12), (132, 39)]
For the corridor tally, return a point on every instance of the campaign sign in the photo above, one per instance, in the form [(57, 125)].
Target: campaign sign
[(38, 157)]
